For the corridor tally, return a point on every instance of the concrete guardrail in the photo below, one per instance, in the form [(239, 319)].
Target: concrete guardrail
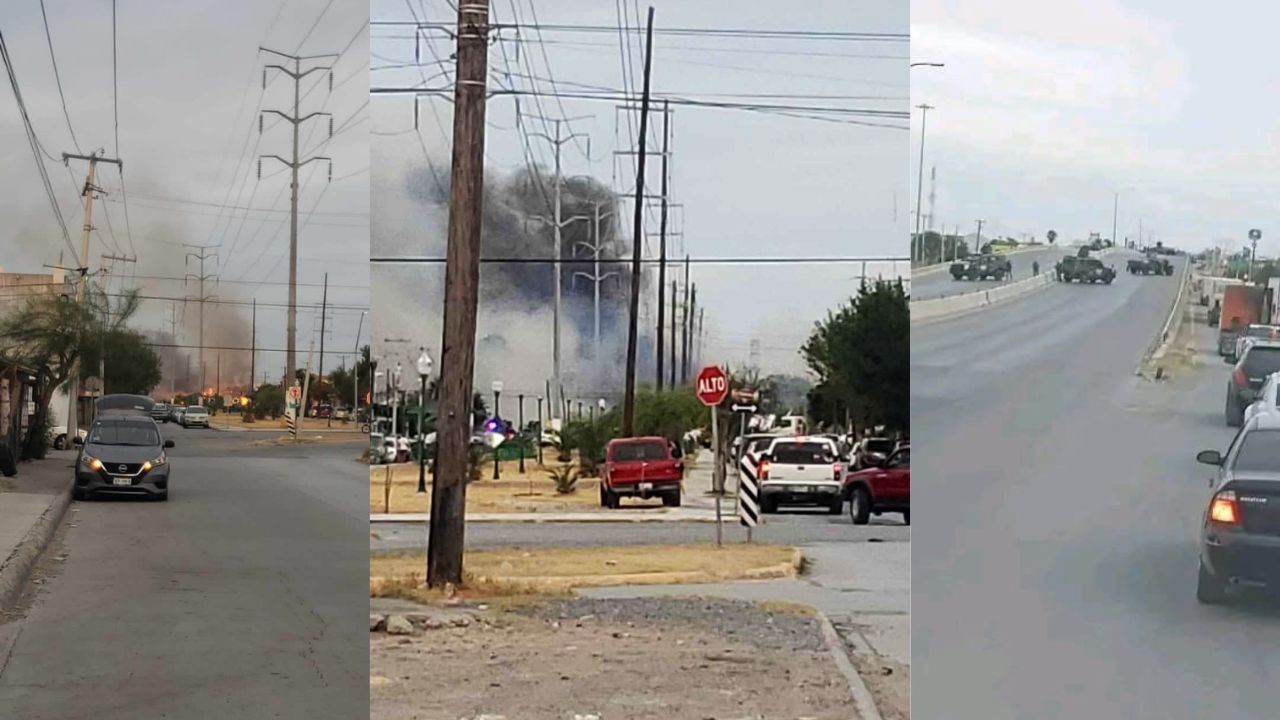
[(940, 308)]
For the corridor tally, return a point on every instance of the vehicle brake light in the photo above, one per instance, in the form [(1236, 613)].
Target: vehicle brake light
[(764, 469), (1224, 510), (836, 470), (1239, 377)]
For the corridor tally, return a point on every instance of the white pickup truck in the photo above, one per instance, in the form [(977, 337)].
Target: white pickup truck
[(801, 470)]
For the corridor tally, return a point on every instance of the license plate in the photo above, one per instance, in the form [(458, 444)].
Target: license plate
[(121, 481), (646, 486)]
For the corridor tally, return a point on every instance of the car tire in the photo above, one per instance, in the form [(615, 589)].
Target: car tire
[(671, 499), (768, 505), (836, 506), (60, 442), (1210, 590), (604, 496), (79, 494), (860, 506), (906, 517)]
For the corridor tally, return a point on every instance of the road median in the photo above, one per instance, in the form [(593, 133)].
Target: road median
[(946, 308)]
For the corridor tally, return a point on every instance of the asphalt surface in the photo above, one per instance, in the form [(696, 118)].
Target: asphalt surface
[(793, 528), (1057, 508), (244, 595), (938, 284)]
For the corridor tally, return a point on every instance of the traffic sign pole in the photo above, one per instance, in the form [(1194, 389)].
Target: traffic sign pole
[(715, 474), (712, 386)]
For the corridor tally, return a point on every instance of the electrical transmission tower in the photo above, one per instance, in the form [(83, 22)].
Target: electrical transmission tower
[(201, 255), (595, 276), (294, 163)]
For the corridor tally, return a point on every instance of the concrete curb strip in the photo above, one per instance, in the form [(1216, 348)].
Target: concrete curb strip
[(862, 698), (16, 567), (949, 307), (550, 518)]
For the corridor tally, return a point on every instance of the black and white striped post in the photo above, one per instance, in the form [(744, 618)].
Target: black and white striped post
[(748, 484)]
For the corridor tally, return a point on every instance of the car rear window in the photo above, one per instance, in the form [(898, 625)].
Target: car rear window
[(880, 446), (196, 409), (117, 433), (1261, 361), (625, 452), (801, 453), (1259, 452)]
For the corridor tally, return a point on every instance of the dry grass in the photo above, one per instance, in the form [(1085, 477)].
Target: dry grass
[(510, 494), (235, 420), (542, 571)]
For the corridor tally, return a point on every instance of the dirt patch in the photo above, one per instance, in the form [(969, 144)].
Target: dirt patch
[(540, 570), (645, 659), (889, 683), (532, 491)]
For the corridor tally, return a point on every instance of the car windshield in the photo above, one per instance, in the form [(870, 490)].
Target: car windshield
[(879, 446), (1259, 452), (1261, 361), (118, 433), (627, 452), (801, 453)]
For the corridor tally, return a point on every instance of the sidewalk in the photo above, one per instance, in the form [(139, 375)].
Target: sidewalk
[(32, 504)]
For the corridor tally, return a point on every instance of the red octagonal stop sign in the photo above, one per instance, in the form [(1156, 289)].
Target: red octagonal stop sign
[(712, 385)]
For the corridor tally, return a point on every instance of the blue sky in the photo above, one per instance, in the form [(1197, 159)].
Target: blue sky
[(1044, 111)]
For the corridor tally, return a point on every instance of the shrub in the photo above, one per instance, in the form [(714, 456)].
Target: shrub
[(565, 477)]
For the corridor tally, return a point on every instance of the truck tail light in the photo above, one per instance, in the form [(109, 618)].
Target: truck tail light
[(1224, 510), (764, 470), (836, 470), (1239, 378)]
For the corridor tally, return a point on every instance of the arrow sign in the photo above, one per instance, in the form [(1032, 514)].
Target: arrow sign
[(744, 408)]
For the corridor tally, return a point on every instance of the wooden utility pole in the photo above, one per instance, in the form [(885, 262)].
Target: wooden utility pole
[(662, 234), (684, 323), (324, 309), (629, 397), (462, 280), (73, 380), (674, 295), (693, 308), (253, 353)]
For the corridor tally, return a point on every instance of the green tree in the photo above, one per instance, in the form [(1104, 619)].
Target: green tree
[(132, 366), (268, 400), (860, 354), (51, 333)]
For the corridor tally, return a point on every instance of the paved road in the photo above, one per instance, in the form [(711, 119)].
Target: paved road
[(242, 596), (796, 527), (940, 284), (1055, 527)]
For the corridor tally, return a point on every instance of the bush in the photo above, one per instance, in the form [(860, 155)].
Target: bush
[(477, 455), (566, 479), (589, 438)]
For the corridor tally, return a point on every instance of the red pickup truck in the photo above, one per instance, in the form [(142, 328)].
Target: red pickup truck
[(642, 467), (880, 489)]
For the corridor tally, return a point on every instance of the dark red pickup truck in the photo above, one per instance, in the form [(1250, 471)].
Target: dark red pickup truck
[(642, 467), (880, 489)]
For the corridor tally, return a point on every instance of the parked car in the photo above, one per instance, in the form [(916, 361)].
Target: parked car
[(870, 451), (1260, 359), (175, 414), (1253, 332), (886, 487), (160, 412), (123, 454), (801, 471), (1240, 529), (195, 416), (59, 435), (642, 467), (1266, 398), (342, 414), (322, 411)]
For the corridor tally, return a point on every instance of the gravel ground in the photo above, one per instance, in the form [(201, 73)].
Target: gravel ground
[(733, 620), (591, 659)]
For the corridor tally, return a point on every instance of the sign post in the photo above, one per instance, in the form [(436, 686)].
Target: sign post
[(291, 409), (712, 386), (747, 398)]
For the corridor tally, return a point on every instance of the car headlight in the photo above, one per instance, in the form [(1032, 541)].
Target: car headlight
[(154, 463), (91, 462)]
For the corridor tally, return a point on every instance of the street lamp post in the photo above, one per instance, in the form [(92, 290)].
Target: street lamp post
[(520, 429), (424, 370), (541, 430), (917, 247), (497, 415)]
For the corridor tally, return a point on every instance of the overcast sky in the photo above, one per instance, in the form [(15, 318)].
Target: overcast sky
[(1045, 110), (190, 87), (750, 184)]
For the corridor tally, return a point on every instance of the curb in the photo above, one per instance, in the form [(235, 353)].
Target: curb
[(1169, 332), (15, 568), (525, 519), (566, 583), (862, 698)]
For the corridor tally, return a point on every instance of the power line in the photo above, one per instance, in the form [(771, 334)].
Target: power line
[(58, 77), (725, 260), (312, 29), (835, 35), (36, 147)]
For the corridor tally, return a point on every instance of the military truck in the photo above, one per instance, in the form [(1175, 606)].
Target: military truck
[(982, 267), (1085, 269), (1149, 265)]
